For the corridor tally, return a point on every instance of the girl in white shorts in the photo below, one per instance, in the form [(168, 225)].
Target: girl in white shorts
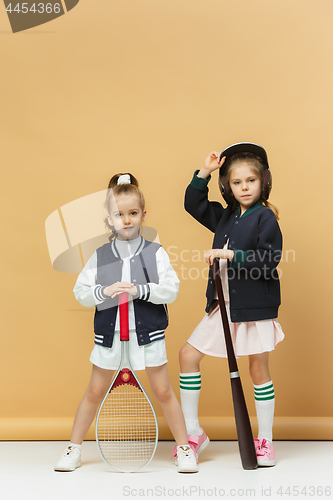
[(131, 264)]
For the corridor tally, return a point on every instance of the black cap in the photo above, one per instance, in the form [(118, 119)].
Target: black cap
[(245, 147)]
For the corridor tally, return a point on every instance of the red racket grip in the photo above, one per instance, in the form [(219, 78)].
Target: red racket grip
[(123, 316)]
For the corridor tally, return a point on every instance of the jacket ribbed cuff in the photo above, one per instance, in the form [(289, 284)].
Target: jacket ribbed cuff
[(98, 292), (199, 182), (238, 262), (143, 292)]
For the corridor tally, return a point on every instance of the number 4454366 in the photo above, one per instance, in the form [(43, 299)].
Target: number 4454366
[(305, 491), (35, 8)]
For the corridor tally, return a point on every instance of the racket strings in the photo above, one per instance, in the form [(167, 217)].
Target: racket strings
[(127, 428)]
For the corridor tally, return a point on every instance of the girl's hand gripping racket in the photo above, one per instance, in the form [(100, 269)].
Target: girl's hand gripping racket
[(243, 425), (126, 423)]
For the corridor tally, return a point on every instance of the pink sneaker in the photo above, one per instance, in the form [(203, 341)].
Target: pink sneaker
[(197, 443), (265, 453)]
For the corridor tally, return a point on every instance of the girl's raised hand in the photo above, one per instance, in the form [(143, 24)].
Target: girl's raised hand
[(118, 288), (212, 162), (220, 253)]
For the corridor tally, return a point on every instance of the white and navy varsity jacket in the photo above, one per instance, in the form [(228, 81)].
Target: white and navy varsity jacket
[(157, 285)]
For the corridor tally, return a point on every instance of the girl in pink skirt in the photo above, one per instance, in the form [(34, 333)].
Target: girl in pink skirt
[(248, 244)]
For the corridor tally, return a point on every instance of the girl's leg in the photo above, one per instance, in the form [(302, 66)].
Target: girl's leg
[(98, 385), (190, 385), (263, 394), (163, 392), (259, 370), (189, 358)]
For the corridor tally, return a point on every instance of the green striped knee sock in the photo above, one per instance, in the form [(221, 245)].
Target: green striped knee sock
[(264, 397), (190, 385)]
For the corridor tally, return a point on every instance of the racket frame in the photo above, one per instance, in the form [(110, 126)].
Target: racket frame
[(125, 364)]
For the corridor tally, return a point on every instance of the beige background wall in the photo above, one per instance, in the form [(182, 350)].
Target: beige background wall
[(152, 87)]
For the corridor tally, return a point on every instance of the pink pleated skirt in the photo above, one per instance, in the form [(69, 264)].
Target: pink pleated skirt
[(248, 338)]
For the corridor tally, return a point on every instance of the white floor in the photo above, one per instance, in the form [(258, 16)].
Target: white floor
[(303, 469)]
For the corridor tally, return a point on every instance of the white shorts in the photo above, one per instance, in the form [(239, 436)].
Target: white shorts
[(153, 354)]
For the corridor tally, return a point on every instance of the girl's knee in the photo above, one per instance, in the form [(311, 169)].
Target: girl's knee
[(95, 394), (182, 354), (186, 355), (259, 374), (258, 367), (163, 393)]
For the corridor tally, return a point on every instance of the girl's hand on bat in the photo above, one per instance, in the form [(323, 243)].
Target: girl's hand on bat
[(218, 253)]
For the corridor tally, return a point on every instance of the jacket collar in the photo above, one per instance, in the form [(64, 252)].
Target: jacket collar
[(254, 207), (115, 252)]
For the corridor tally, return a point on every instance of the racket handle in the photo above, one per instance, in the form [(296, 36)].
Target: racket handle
[(123, 316)]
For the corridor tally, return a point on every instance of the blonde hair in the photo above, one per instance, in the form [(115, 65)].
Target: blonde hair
[(115, 190), (256, 163)]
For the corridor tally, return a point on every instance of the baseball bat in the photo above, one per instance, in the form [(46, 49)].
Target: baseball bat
[(243, 425)]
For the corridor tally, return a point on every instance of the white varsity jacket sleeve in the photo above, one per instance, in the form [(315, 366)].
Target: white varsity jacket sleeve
[(86, 291), (166, 290)]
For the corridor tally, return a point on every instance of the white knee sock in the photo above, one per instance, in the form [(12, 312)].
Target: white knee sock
[(265, 403), (190, 385)]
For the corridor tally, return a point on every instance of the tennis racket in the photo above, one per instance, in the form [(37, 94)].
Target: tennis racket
[(243, 425), (126, 423)]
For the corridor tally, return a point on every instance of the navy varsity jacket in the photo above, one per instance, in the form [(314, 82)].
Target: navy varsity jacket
[(156, 281), (256, 240)]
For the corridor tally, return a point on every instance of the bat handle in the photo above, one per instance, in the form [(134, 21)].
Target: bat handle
[(233, 367), (123, 316)]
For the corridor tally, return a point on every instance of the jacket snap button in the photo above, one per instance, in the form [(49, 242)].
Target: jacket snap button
[(134, 281), (234, 291), (139, 322), (236, 222)]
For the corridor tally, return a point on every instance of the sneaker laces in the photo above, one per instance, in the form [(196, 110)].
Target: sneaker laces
[(186, 453), (70, 450), (262, 447), (193, 447)]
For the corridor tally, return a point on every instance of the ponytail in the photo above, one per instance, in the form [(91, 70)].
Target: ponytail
[(273, 208)]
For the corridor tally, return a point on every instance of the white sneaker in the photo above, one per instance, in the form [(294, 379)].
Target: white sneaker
[(70, 460), (186, 460)]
